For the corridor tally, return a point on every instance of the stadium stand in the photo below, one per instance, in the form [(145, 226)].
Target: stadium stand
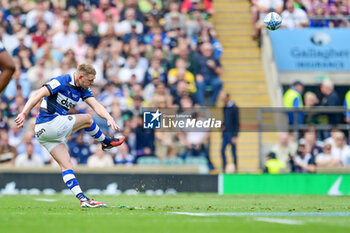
[(149, 53), (132, 45)]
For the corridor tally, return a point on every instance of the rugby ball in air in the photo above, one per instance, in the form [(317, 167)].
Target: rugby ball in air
[(272, 21)]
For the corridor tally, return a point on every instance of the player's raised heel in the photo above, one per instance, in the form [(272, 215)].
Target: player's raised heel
[(92, 204), (114, 142)]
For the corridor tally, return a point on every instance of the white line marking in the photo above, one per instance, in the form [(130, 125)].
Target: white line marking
[(260, 214), (195, 214), (45, 200), (280, 221)]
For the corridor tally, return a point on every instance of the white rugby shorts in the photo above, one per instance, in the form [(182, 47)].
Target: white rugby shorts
[(52, 133)]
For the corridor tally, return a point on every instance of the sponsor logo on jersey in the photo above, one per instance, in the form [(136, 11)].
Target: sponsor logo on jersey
[(66, 103), (40, 132), (54, 83)]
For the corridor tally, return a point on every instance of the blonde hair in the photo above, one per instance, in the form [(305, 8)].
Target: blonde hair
[(310, 99), (86, 69)]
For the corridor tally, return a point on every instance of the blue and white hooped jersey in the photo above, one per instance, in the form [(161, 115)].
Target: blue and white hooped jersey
[(64, 94)]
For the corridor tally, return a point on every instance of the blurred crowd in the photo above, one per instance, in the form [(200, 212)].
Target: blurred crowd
[(147, 53), (314, 147), (309, 152), (302, 13), (324, 96)]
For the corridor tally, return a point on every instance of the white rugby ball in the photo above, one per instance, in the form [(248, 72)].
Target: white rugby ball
[(273, 21)]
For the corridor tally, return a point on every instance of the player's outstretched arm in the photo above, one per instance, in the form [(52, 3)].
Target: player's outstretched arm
[(33, 100), (102, 112), (7, 68)]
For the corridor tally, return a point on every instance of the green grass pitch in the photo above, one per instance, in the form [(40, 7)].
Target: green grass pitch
[(26, 214)]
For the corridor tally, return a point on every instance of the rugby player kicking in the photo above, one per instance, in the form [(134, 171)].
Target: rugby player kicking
[(54, 124)]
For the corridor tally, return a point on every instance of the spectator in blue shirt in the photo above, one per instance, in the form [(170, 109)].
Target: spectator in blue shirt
[(133, 35), (330, 99), (207, 35), (21, 46), (144, 139), (209, 70), (123, 156), (79, 149), (316, 22)]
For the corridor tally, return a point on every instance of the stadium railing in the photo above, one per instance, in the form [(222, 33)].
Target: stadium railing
[(273, 119)]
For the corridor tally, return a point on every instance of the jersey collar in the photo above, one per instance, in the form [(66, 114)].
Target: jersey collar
[(72, 82)]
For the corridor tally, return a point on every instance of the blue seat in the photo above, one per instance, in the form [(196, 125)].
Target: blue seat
[(148, 161), (172, 161), (191, 160)]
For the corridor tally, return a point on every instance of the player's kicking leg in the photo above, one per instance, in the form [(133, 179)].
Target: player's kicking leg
[(85, 121), (61, 155)]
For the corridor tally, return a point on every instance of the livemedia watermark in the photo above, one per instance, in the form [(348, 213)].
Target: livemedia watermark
[(249, 119), (170, 119)]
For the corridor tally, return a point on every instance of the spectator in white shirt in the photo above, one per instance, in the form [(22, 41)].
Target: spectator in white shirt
[(141, 62), (80, 48), (126, 74), (41, 9), (29, 159), (174, 12), (39, 74), (64, 40), (326, 158), (125, 26), (285, 147), (100, 159), (294, 17), (264, 7), (341, 150)]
